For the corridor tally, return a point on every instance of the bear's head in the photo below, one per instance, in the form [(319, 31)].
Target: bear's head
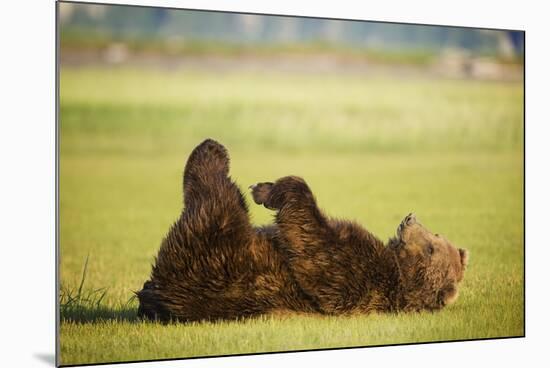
[(430, 267)]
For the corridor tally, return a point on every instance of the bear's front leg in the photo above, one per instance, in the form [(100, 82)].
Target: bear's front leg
[(312, 246), (299, 219)]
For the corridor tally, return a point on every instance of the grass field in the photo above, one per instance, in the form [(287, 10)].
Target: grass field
[(372, 149)]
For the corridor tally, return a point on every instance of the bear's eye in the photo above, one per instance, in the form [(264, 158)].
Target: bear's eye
[(430, 250)]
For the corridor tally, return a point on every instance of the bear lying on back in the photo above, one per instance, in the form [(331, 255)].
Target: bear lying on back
[(213, 264)]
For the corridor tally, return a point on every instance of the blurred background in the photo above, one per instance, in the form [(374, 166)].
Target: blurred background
[(258, 74), (380, 119), (118, 34)]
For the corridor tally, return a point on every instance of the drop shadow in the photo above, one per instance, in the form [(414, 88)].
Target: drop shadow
[(46, 358)]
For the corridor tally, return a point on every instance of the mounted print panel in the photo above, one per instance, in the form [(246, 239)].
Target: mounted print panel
[(237, 184)]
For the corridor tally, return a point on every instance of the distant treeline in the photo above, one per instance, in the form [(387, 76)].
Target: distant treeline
[(128, 22)]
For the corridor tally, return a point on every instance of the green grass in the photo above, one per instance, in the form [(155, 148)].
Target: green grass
[(372, 149)]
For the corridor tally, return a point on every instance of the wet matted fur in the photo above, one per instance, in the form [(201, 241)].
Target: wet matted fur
[(213, 264)]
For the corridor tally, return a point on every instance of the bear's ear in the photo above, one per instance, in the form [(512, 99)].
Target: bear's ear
[(410, 219), (464, 257)]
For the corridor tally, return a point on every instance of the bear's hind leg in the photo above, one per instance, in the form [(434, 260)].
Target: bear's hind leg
[(194, 270), (213, 203)]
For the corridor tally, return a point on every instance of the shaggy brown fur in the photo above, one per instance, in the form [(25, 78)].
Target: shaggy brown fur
[(214, 264)]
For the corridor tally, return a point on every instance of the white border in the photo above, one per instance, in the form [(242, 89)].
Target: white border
[(27, 181)]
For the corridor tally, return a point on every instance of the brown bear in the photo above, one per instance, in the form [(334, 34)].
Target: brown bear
[(213, 264)]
